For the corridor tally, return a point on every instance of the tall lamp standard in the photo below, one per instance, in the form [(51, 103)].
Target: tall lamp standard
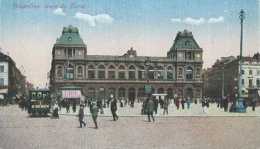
[(240, 101)]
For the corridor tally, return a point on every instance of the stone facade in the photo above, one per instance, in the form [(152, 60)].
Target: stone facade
[(12, 81), (178, 73), (221, 78)]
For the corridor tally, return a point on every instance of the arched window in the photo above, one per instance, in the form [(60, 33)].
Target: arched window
[(141, 73), (151, 73), (80, 72), (169, 73), (131, 72), (170, 93), (189, 73), (121, 73), (59, 72), (91, 72), (101, 72), (198, 72), (159, 73), (70, 72), (121, 93), (111, 72), (180, 72)]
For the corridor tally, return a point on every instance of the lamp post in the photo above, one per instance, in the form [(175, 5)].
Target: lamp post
[(240, 101)]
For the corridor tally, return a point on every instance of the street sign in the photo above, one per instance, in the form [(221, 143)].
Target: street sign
[(147, 89)]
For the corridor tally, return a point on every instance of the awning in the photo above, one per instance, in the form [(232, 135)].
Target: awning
[(71, 94), (3, 91)]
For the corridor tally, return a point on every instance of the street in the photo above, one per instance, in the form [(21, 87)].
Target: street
[(17, 130)]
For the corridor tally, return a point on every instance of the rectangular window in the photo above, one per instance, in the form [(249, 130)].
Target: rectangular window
[(121, 75), (91, 74), (258, 82), (250, 83), (250, 72), (69, 52), (2, 68), (2, 82), (111, 75), (101, 74), (131, 75), (141, 75), (258, 72), (169, 75), (242, 81)]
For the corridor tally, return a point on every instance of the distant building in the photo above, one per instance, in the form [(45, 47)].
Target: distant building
[(12, 81), (125, 75), (222, 77)]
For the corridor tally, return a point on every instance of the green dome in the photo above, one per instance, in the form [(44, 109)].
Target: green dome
[(70, 36)]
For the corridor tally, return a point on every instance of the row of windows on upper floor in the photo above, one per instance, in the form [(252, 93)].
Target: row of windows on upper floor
[(187, 55), (250, 83), (69, 52), (250, 72), (2, 68), (68, 73)]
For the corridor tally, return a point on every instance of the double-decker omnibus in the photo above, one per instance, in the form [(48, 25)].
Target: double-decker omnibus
[(39, 102)]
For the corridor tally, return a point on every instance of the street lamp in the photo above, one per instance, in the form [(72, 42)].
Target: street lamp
[(240, 101)]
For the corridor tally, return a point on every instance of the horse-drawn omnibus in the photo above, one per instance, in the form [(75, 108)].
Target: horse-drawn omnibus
[(39, 102)]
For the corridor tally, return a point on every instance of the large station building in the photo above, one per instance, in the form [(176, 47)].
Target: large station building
[(124, 76)]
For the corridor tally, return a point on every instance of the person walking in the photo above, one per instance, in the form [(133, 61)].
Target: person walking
[(178, 103), (254, 103), (182, 103), (188, 101), (94, 112), (150, 108), (74, 105), (81, 116), (165, 106), (156, 103), (113, 109)]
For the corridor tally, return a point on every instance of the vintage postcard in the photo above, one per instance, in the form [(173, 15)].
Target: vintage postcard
[(129, 74)]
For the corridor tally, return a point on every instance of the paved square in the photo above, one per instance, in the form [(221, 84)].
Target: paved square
[(17, 130)]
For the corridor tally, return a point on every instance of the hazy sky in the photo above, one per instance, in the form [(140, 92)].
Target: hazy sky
[(29, 28)]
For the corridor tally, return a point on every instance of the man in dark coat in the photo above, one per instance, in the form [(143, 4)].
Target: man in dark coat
[(94, 112), (113, 109), (150, 108), (156, 103), (182, 103), (81, 116)]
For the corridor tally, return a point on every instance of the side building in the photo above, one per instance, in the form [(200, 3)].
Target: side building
[(178, 73), (12, 81), (221, 79)]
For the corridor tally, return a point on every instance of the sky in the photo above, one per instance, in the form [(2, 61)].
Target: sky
[(29, 28)]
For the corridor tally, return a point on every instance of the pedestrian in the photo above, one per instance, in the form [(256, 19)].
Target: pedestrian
[(150, 108), (67, 106), (188, 101), (121, 103), (254, 103), (94, 112), (113, 109), (178, 103), (182, 103), (156, 103), (204, 105), (81, 116), (99, 105), (74, 106), (165, 106)]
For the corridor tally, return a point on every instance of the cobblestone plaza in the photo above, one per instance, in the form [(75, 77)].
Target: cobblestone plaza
[(17, 130)]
